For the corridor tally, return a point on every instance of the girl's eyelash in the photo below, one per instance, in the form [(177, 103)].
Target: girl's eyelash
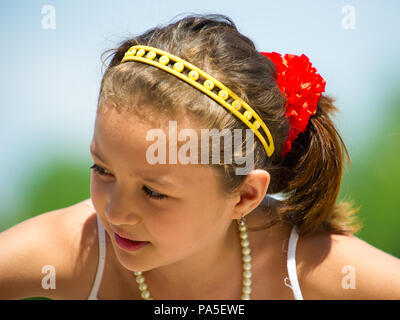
[(153, 194), (99, 170), (149, 193)]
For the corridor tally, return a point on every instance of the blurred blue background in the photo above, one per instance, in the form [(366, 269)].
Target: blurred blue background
[(51, 76)]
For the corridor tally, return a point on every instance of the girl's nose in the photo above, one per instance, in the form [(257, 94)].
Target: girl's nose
[(120, 210)]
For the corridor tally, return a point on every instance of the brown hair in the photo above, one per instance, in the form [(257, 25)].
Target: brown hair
[(310, 174)]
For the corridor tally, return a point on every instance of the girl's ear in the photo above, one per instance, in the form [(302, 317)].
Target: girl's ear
[(252, 192)]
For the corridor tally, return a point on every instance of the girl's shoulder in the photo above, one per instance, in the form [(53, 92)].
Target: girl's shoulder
[(52, 255), (80, 245), (333, 266)]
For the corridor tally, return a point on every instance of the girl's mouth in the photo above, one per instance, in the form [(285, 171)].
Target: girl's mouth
[(129, 245)]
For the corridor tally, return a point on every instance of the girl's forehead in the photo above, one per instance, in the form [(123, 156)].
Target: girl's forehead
[(125, 129), (123, 137), (116, 147), (133, 123)]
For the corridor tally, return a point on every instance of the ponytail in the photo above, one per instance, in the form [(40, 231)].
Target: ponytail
[(313, 170)]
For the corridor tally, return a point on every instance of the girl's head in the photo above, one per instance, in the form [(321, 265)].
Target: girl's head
[(203, 199)]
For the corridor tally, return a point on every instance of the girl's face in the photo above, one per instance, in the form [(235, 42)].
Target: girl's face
[(177, 208)]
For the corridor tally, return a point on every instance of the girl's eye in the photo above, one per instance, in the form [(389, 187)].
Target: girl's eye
[(150, 193), (99, 170), (153, 194)]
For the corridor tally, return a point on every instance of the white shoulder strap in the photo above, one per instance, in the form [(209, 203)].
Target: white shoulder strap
[(102, 256), (291, 264)]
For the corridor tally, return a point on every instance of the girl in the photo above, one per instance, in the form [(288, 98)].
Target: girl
[(164, 225)]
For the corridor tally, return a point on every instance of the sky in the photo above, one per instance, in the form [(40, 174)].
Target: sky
[(50, 76)]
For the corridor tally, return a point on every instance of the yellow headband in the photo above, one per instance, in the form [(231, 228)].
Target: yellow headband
[(149, 54)]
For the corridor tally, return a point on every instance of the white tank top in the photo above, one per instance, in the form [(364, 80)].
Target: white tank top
[(291, 263)]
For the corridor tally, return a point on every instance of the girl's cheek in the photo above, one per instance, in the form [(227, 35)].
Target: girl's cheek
[(98, 185), (171, 231), (98, 194), (95, 187), (93, 182)]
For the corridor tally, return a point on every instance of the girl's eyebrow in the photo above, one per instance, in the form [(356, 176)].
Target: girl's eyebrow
[(159, 181)]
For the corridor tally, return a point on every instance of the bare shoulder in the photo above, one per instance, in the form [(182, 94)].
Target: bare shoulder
[(53, 254), (332, 266)]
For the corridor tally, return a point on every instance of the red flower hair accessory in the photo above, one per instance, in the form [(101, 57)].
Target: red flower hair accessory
[(302, 86)]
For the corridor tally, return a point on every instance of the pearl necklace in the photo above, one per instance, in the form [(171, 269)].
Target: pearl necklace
[(246, 257)]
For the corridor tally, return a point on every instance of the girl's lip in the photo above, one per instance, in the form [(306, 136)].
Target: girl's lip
[(125, 237), (129, 245)]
